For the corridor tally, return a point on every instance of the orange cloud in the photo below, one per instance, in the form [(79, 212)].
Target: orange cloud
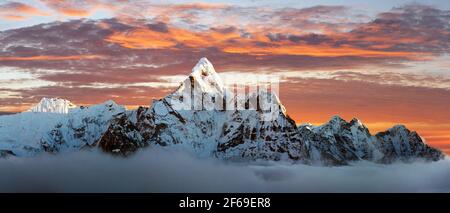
[(50, 58), (13, 17), (199, 6), (287, 48), (395, 35), (77, 8), (142, 38), (233, 42), (74, 12), (19, 11)]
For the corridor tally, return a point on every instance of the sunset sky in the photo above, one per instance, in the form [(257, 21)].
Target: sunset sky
[(385, 62)]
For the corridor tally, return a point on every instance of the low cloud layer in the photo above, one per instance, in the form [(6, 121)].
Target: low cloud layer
[(156, 170)]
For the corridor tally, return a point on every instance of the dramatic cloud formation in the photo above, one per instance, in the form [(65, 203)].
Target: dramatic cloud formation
[(80, 8), (410, 31), (175, 171), (19, 11), (410, 28), (50, 58), (274, 38)]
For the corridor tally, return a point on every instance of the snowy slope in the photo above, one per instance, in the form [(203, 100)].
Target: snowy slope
[(205, 130), (28, 133), (82, 127), (55, 105), (20, 133)]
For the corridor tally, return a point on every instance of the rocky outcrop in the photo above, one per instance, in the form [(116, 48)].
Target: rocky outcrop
[(6, 153), (399, 143), (243, 135), (81, 128)]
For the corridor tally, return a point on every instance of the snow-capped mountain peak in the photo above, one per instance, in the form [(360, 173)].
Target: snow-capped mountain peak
[(397, 128), (203, 65), (107, 106), (53, 105), (205, 76), (336, 119), (335, 123), (200, 89), (187, 119), (357, 122)]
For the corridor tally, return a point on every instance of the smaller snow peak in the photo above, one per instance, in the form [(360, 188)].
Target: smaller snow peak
[(336, 119), (112, 106), (109, 107), (53, 105), (308, 126), (356, 121), (398, 128), (335, 123), (110, 103)]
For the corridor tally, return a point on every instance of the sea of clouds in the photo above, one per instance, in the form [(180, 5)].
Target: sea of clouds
[(161, 170)]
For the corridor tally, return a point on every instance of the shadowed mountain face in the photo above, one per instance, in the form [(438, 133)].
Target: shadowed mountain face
[(238, 135)]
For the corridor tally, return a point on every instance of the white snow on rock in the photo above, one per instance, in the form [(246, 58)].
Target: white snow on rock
[(206, 76), (199, 89), (55, 127), (54, 105), (205, 131), (20, 133)]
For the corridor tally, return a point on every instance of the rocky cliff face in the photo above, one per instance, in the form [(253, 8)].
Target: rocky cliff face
[(227, 134), (80, 128), (339, 142), (400, 143), (243, 135), (212, 128)]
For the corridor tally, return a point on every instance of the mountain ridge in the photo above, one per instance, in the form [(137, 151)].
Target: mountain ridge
[(242, 135), (53, 105)]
